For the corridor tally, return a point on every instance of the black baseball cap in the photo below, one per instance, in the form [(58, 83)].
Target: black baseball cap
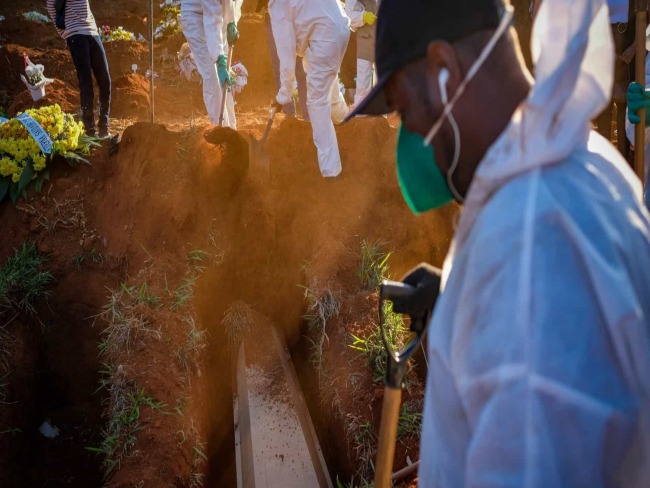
[(405, 28)]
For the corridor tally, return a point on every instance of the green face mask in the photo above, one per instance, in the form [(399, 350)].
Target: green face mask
[(423, 185)]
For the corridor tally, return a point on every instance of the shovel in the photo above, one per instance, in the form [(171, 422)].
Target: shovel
[(224, 91), (395, 373), (641, 7), (256, 154)]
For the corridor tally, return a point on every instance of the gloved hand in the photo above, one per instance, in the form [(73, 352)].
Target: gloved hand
[(277, 106), (369, 18), (222, 70), (232, 34), (426, 279), (637, 99)]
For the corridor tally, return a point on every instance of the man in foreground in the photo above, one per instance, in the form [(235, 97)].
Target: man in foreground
[(539, 346), (319, 31), (75, 23)]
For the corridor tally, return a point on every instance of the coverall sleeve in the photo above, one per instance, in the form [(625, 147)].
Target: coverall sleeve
[(537, 369), (213, 26), (285, 43), (355, 11)]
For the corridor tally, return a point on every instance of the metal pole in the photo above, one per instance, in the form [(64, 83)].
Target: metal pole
[(641, 7), (151, 95)]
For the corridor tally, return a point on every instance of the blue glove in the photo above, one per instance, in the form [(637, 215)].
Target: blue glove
[(637, 98), (232, 34), (222, 71)]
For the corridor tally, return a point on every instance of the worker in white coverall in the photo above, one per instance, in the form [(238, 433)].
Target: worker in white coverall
[(363, 14), (209, 26), (539, 343), (318, 31)]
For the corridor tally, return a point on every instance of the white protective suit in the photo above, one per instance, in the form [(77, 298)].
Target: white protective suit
[(539, 347), (365, 67), (204, 25), (319, 31)]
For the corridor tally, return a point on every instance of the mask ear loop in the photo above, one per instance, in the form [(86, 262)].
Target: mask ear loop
[(503, 26), (454, 164), (443, 78)]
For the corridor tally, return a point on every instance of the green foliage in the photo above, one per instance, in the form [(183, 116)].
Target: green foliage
[(374, 265), (126, 404), (23, 280), (188, 355), (142, 295), (125, 321), (184, 294), (372, 346), (410, 421), (93, 257)]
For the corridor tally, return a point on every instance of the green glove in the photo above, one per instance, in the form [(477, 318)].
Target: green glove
[(222, 70), (232, 34), (369, 18), (637, 98)]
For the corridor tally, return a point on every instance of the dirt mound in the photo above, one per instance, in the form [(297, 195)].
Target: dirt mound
[(130, 96), (56, 62), (58, 92)]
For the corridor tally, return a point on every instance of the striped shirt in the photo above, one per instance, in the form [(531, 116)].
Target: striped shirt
[(78, 18)]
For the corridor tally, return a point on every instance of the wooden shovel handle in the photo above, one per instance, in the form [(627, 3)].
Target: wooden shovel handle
[(639, 129), (387, 437)]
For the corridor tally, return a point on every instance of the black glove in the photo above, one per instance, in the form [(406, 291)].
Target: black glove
[(277, 106), (426, 279)]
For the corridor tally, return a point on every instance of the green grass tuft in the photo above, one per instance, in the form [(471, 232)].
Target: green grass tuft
[(23, 280), (374, 265), (124, 409)]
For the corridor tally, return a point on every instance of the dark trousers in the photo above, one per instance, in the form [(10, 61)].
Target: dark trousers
[(89, 58), (301, 77)]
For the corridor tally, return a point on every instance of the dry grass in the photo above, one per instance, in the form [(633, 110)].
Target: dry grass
[(23, 280), (187, 356), (125, 323), (323, 304), (122, 409), (237, 321), (362, 440)]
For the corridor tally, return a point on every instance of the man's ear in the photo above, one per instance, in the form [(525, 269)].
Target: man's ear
[(441, 57)]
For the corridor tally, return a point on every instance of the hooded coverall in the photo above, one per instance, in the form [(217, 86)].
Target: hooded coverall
[(204, 25), (319, 31), (539, 345)]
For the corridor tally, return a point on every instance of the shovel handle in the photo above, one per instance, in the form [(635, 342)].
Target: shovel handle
[(639, 129), (224, 90), (387, 437), (269, 124)]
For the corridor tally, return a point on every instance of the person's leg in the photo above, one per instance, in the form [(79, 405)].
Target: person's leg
[(301, 80), (194, 34), (322, 65), (289, 108), (100, 69), (79, 47), (340, 109), (365, 70)]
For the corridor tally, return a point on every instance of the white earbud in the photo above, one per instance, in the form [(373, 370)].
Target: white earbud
[(443, 78)]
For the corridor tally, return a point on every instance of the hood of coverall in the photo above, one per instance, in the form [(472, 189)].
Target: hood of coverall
[(573, 54)]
